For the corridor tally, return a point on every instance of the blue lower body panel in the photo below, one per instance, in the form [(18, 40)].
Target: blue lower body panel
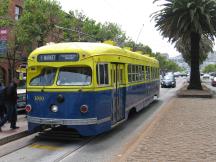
[(84, 130), (97, 119)]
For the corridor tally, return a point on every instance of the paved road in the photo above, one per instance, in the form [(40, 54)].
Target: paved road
[(105, 147)]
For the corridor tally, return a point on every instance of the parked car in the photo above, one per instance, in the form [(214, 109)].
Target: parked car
[(168, 81), (213, 82), (212, 75), (21, 94), (206, 76)]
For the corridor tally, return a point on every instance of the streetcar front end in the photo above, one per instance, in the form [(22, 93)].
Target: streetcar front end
[(60, 93)]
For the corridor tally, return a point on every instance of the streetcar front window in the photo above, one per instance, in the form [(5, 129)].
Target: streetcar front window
[(45, 78), (74, 76)]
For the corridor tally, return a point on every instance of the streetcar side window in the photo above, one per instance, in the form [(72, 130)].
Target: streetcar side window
[(147, 73), (136, 73), (143, 73), (45, 78), (102, 74), (129, 73)]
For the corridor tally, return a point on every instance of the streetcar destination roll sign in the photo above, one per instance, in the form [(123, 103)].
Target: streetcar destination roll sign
[(58, 57)]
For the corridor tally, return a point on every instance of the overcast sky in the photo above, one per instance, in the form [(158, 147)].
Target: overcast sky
[(133, 17)]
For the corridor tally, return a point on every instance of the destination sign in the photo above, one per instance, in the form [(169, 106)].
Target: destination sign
[(58, 57)]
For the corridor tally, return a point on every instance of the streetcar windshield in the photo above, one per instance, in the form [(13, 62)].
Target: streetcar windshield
[(45, 78), (74, 76)]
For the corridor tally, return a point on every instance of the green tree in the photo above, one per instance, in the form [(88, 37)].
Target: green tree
[(145, 49), (111, 31), (188, 20), (38, 21), (165, 64), (183, 47), (78, 27), (209, 68), (72, 26), (5, 19)]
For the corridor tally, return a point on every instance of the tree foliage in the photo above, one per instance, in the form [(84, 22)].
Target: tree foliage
[(145, 49), (166, 65), (5, 20), (183, 47), (188, 20), (42, 19), (209, 68), (38, 20)]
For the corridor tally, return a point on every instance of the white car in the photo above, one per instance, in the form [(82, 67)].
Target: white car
[(206, 76)]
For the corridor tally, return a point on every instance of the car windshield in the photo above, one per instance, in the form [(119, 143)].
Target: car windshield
[(74, 76), (45, 78), (168, 78)]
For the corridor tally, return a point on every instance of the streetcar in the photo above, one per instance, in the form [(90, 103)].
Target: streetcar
[(90, 87)]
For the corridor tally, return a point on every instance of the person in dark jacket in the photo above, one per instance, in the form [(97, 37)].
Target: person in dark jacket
[(2, 105), (11, 105)]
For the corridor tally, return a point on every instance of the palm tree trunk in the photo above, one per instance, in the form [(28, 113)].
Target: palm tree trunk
[(195, 82)]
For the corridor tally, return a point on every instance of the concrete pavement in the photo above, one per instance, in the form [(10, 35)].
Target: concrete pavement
[(185, 130), (8, 135)]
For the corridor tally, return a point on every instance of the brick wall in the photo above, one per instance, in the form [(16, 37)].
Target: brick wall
[(12, 5), (4, 62)]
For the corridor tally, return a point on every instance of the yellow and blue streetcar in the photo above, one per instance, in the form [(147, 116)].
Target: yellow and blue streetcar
[(90, 87)]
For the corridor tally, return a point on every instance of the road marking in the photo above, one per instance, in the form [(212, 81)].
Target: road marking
[(45, 147)]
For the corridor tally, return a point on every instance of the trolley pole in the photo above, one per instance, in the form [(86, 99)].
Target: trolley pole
[(138, 36)]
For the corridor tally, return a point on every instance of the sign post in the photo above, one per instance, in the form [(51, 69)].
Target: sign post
[(3, 40)]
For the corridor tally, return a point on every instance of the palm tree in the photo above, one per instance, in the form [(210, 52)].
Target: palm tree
[(184, 46), (188, 20)]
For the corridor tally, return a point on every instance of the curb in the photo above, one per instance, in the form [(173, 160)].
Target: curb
[(185, 93), (16, 145), (13, 137)]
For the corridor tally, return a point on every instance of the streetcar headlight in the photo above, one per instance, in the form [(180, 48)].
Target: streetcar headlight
[(54, 108)]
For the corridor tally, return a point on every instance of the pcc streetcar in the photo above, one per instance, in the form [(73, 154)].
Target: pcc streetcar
[(90, 87)]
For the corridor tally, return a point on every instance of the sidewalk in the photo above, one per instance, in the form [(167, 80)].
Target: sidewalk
[(8, 135), (184, 131)]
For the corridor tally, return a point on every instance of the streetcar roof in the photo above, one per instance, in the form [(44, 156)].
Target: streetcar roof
[(87, 48)]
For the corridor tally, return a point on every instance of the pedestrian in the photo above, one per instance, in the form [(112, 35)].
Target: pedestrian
[(2, 105), (11, 105)]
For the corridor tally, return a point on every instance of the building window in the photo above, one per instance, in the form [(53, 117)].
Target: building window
[(18, 11)]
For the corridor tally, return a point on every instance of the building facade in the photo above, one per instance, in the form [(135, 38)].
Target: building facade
[(13, 12)]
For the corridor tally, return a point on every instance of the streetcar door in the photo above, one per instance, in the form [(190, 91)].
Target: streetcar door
[(118, 93)]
